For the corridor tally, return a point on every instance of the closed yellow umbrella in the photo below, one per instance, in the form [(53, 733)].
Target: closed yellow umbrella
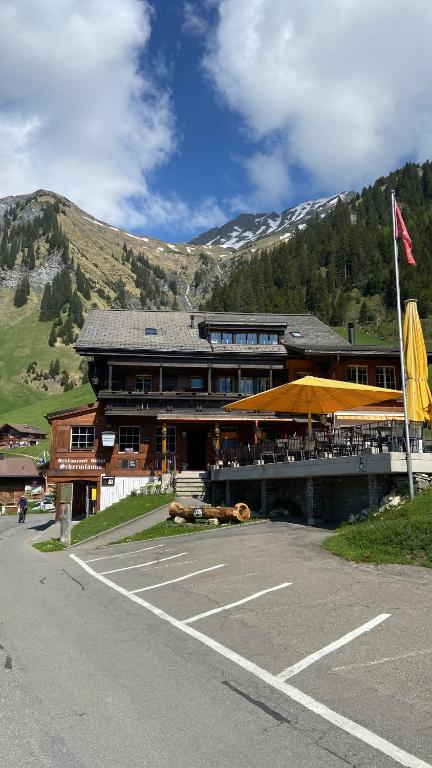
[(314, 395), (418, 394)]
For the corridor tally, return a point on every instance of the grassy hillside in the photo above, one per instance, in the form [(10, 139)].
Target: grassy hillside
[(35, 413), (400, 535), (23, 339)]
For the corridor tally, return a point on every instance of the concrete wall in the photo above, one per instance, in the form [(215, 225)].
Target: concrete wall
[(313, 500)]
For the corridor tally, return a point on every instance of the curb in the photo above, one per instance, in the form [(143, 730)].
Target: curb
[(117, 527)]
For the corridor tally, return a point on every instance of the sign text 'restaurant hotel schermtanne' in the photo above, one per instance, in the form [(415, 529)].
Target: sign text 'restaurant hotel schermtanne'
[(75, 463)]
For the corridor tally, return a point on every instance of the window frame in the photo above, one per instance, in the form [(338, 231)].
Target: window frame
[(86, 447), (144, 376), (274, 338), (385, 369), (197, 388), (126, 448), (358, 377), (225, 391)]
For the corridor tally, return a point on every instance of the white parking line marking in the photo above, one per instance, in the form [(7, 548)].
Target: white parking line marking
[(385, 660), (141, 565), (173, 581), (238, 602), (349, 726), (123, 554), (308, 660)]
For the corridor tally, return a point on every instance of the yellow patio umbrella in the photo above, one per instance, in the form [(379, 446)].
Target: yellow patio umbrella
[(314, 395), (418, 394)]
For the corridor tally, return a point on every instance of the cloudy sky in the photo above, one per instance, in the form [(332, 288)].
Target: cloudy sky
[(171, 116)]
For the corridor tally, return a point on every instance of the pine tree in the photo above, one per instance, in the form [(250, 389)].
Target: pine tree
[(22, 292), (56, 367), (47, 308), (76, 310), (53, 336)]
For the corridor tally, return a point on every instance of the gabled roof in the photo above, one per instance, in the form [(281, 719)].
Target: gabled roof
[(17, 466), (124, 330), (74, 410), (25, 429)]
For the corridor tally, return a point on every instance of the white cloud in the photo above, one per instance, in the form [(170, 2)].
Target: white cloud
[(340, 88), (194, 22), (77, 113)]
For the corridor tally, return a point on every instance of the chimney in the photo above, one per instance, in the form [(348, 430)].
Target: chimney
[(351, 333), (192, 321)]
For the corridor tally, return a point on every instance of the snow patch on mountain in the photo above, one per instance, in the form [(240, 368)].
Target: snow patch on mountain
[(247, 228)]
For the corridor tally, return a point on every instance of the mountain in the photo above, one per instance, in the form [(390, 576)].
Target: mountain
[(105, 254), (263, 229), (57, 261), (340, 267)]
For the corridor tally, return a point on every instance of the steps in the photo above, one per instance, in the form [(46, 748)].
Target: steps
[(190, 483)]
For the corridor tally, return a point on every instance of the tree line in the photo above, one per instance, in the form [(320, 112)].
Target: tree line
[(319, 267)]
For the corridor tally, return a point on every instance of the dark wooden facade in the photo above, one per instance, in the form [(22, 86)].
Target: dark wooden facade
[(161, 379)]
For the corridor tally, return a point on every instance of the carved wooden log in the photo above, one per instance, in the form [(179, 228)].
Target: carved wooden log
[(240, 512)]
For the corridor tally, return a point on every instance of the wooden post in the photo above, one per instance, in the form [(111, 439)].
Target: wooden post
[(209, 381), (239, 380), (164, 448), (160, 379), (271, 378), (216, 443), (110, 378)]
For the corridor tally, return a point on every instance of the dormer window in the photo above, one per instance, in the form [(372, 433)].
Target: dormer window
[(296, 334), (151, 331)]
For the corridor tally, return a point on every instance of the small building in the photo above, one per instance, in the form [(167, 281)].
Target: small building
[(16, 472), (161, 379), (20, 434)]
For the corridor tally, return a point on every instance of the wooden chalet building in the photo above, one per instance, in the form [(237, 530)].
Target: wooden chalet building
[(14, 434), (161, 378)]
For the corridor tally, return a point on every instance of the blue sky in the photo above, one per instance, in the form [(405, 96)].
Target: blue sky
[(168, 117)]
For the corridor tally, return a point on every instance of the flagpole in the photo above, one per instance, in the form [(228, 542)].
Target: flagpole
[(401, 351)]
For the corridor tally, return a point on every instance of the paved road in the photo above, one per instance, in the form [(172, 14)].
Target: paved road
[(123, 669)]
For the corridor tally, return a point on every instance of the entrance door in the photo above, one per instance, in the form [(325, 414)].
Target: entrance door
[(196, 448)]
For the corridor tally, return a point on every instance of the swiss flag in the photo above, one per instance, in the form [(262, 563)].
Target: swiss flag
[(402, 232)]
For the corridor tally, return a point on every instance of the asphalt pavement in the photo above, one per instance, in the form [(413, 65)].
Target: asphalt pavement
[(243, 647)]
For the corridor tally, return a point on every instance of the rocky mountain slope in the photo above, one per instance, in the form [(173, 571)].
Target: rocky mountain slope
[(262, 229), (181, 273)]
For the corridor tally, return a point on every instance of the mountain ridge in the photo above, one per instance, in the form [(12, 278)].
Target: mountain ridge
[(263, 229)]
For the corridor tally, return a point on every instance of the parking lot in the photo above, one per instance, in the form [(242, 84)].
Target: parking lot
[(351, 644)]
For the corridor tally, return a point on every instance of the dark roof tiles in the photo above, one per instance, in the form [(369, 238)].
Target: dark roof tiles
[(125, 330)]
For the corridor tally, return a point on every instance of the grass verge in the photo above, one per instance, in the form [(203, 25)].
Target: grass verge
[(52, 545), (125, 510), (170, 528), (400, 535)]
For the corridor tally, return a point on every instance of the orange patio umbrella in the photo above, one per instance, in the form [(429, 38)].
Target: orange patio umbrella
[(312, 394)]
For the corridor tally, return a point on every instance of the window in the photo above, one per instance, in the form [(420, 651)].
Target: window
[(386, 376), (358, 374), (268, 338), (129, 439), (246, 386), (251, 338), (296, 334), (227, 337), (250, 386), (143, 383), (170, 439), (260, 385), (215, 337), (82, 438), (241, 338), (224, 384), (197, 382), (151, 331)]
